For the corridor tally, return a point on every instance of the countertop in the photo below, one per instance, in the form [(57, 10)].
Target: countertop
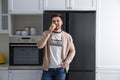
[(25, 67), (4, 66)]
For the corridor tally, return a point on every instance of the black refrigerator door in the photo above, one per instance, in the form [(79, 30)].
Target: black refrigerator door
[(47, 19), (82, 29)]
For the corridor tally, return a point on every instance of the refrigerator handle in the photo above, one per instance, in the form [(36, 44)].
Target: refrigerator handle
[(67, 23)]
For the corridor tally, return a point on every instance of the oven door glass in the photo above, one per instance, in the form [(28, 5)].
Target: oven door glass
[(25, 54)]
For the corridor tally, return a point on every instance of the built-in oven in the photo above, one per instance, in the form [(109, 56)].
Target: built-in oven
[(24, 52)]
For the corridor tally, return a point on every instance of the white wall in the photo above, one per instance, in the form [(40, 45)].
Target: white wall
[(4, 45)]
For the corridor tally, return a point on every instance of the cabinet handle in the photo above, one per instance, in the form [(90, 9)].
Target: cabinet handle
[(67, 7), (92, 3), (70, 7)]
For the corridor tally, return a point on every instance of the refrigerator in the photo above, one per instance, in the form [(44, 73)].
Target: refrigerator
[(81, 25)]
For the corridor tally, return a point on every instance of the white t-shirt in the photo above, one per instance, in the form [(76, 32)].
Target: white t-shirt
[(55, 50)]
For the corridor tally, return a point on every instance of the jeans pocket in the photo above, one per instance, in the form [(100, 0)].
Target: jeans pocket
[(61, 69)]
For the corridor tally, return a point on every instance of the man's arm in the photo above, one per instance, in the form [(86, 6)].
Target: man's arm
[(43, 39)]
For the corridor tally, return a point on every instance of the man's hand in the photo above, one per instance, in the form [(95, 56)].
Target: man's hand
[(52, 27), (63, 64)]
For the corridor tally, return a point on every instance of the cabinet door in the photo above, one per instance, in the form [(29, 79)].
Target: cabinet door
[(108, 75), (82, 4), (69, 4), (108, 34), (56, 4), (4, 23), (3, 16), (3, 74), (25, 74), (25, 6)]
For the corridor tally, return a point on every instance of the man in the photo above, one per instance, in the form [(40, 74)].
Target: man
[(59, 50)]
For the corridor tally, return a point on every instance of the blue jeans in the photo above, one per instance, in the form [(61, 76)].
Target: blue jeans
[(54, 74)]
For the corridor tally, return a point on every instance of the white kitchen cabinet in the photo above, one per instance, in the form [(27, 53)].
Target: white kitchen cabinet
[(69, 4), (3, 74), (108, 40), (108, 75), (3, 16), (108, 34), (25, 6), (25, 74)]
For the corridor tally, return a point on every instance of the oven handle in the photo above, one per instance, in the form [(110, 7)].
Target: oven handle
[(23, 45)]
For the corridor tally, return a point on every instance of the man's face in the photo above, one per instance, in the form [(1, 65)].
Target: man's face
[(58, 22)]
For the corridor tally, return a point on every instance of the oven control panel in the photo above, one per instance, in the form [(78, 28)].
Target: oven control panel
[(33, 39)]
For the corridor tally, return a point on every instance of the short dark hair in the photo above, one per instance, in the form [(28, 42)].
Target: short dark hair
[(56, 15)]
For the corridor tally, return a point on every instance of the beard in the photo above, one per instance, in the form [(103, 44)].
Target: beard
[(57, 28)]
